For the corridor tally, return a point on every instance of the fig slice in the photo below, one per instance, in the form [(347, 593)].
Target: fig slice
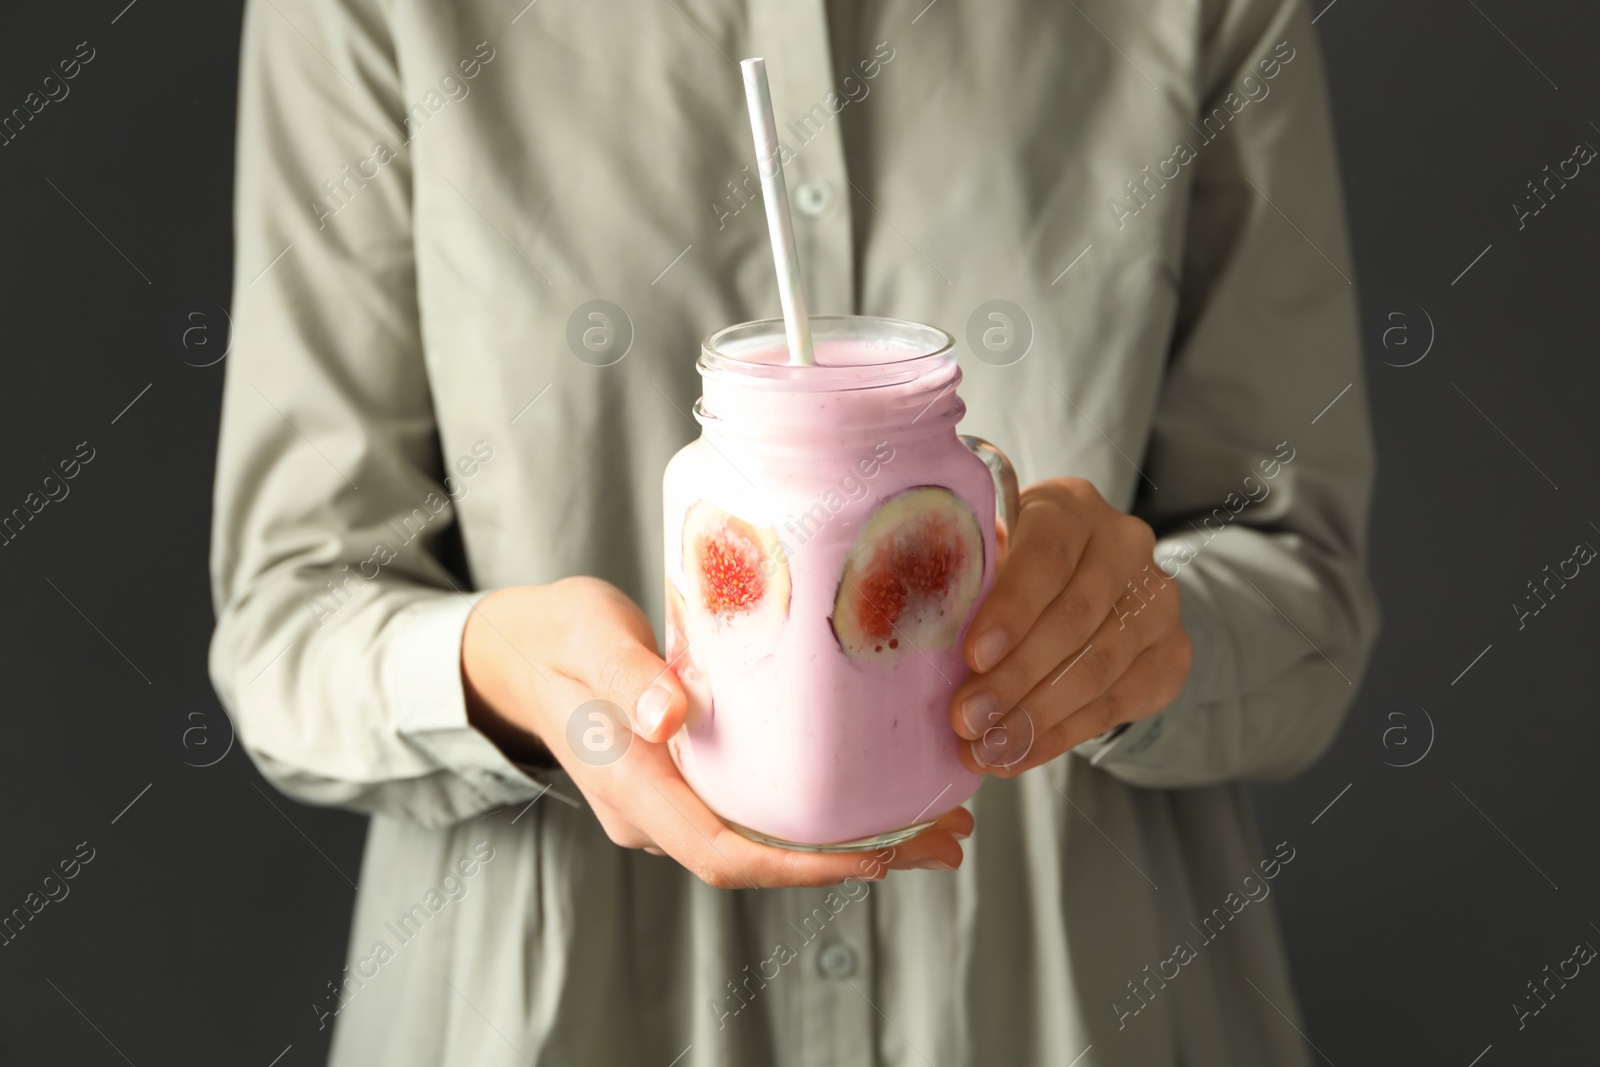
[(911, 578), (738, 570)]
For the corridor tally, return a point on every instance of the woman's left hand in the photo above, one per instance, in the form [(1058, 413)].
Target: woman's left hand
[(1080, 633)]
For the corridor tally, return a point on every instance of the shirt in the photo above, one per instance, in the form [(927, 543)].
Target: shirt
[(431, 197)]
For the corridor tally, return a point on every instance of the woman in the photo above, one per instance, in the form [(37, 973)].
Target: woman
[(438, 512)]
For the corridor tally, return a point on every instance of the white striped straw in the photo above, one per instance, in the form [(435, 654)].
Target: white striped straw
[(785, 256)]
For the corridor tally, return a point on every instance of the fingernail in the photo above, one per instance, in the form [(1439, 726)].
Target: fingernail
[(961, 835), (652, 708), (979, 712), (990, 647), (932, 863)]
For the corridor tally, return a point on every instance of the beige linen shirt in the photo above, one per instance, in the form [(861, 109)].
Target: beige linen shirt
[(430, 196)]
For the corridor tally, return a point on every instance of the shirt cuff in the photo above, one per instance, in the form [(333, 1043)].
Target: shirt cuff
[(423, 687)]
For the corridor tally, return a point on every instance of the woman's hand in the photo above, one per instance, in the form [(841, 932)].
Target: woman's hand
[(1080, 633), (532, 656)]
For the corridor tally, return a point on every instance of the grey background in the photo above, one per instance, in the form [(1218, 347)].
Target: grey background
[(215, 911)]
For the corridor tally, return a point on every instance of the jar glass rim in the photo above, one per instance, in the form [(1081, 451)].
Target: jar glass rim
[(911, 349)]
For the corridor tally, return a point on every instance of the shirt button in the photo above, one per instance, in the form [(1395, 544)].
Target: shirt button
[(836, 960), (813, 198)]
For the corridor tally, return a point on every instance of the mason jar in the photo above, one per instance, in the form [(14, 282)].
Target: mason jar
[(828, 539)]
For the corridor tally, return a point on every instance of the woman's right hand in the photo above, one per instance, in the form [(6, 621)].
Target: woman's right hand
[(533, 655)]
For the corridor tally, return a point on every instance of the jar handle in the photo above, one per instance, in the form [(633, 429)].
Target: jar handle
[(1008, 495)]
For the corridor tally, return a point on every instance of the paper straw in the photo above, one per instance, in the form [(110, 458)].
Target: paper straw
[(785, 256)]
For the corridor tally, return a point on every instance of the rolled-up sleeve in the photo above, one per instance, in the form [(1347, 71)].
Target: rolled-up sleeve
[(1261, 446), (337, 645)]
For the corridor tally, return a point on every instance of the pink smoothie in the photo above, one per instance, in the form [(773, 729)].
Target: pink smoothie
[(790, 735)]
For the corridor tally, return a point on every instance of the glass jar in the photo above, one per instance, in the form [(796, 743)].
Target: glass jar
[(828, 539)]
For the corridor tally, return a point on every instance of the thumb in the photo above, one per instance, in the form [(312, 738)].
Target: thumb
[(659, 711), (637, 680)]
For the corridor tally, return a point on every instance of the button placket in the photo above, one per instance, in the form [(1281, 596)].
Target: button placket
[(823, 1016), (842, 1024), (833, 1024), (794, 37)]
